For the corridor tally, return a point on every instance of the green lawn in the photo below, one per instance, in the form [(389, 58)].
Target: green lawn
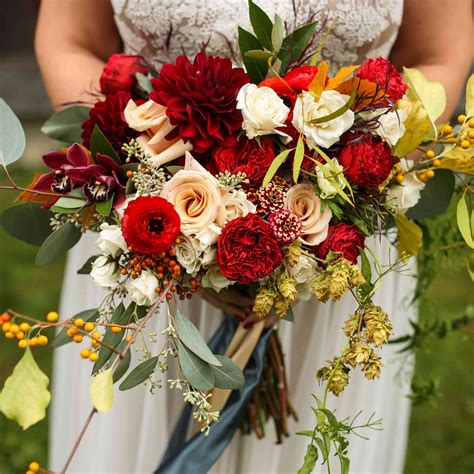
[(441, 433)]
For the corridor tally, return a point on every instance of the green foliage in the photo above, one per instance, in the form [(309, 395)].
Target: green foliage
[(198, 372), (276, 163), (101, 391), (100, 144), (58, 243), (139, 374), (12, 136), (256, 68), (262, 25), (228, 375), (66, 125)]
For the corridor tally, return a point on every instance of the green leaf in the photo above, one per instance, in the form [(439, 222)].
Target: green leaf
[(278, 33), (294, 45), (144, 82), (337, 113), (104, 208), (192, 339), (87, 267), (101, 391), (470, 96), (62, 338), (12, 136), (298, 159), (464, 221), (366, 269), (410, 237), (66, 125), (197, 372), (258, 54), (28, 222), (228, 375), (276, 163), (101, 144), (139, 374), (123, 365), (256, 69), (261, 24), (309, 433), (58, 243), (25, 395), (69, 203), (310, 459)]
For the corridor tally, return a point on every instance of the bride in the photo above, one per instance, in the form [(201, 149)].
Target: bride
[(74, 39)]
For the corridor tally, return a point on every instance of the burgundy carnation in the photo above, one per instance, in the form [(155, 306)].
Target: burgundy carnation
[(344, 238), (150, 225), (367, 160), (119, 73), (248, 157), (201, 99), (247, 250), (384, 73), (108, 116)]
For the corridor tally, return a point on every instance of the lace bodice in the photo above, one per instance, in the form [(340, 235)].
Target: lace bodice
[(160, 30)]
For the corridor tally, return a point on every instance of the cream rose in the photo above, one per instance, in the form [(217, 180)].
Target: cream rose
[(188, 254), (111, 240), (323, 134), (196, 197), (142, 289), (149, 115), (303, 273), (303, 201), (262, 109), (105, 271), (215, 280), (236, 204), (389, 124)]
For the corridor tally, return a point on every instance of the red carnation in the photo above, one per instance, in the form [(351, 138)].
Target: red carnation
[(384, 73), (201, 99), (367, 160), (344, 238), (247, 250), (248, 157), (119, 73), (108, 116), (150, 225)]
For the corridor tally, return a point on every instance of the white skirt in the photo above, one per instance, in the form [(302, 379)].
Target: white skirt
[(133, 436)]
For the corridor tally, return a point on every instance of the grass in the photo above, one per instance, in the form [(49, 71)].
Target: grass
[(441, 432)]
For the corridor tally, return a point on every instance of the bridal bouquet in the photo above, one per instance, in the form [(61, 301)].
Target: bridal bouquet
[(269, 177)]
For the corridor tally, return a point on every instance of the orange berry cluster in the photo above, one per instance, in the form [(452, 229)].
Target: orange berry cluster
[(33, 468), (79, 329), (20, 331)]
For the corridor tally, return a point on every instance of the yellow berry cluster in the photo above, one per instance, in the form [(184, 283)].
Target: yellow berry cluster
[(465, 137), (80, 328), (33, 468), (12, 330)]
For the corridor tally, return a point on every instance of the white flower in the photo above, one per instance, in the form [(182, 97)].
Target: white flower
[(262, 109), (105, 271), (326, 185), (208, 236), (323, 134), (237, 204), (111, 240), (215, 280), (188, 253), (303, 273), (390, 124), (142, 289)]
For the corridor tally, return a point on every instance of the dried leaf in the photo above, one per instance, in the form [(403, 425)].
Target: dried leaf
[(410, 237), (319, 82)]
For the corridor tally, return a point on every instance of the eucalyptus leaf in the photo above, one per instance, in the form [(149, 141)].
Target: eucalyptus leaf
[(66, 125), (144, 82), (69, 203), (58, 243), (62, 338), (197, 372), (139, 374), (464, 222), (228, 375), (275, 165), (28, 222), (256, 69), (101, 391), (261, 24), (12, 136), (87, 267), (123, 365), (101, 144)]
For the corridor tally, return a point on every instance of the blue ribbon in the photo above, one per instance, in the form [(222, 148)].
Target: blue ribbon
[(199, 453)]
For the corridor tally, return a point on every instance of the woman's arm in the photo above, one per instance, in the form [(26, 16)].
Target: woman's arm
[(436, 38), (74, 38)]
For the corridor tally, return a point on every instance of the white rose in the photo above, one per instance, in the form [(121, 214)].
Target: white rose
[(327, 133), (262, 109), (237, 204), (303, 273), (326, 185), (215, 280), (142, 289), (389, 124), (105, 272), (209, 256), (188, 254), (208, 236), (111, 240)]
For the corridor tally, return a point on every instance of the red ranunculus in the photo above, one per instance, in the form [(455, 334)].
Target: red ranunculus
[(247, 250), (200, 98), (108, 116), (119, 73), (344, 238), (150, 225), (384, 73), (248, 157), (367, 160)]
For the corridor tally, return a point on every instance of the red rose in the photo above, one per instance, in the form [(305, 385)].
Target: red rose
[(247, 250), (384, 73), (150, 225), (248, 157), (119, 73), (344, 238), (108, 116), (200, 98), (367, 160)]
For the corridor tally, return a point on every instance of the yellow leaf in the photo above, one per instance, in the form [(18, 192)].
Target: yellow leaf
[(431, 94), (101, 391), (318, 83), (410, 237), (464, 221), (341, 76), (458, 159), (470, 96), (25, 395)]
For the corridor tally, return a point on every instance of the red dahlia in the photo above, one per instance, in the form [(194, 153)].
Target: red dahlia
[(344, 238), (367, 160), (200, 98), (247, 250), (119, 73), (384, 73), (150, 225), (248, 157)]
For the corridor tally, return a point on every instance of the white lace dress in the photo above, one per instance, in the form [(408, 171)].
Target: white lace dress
[(133, 436)]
